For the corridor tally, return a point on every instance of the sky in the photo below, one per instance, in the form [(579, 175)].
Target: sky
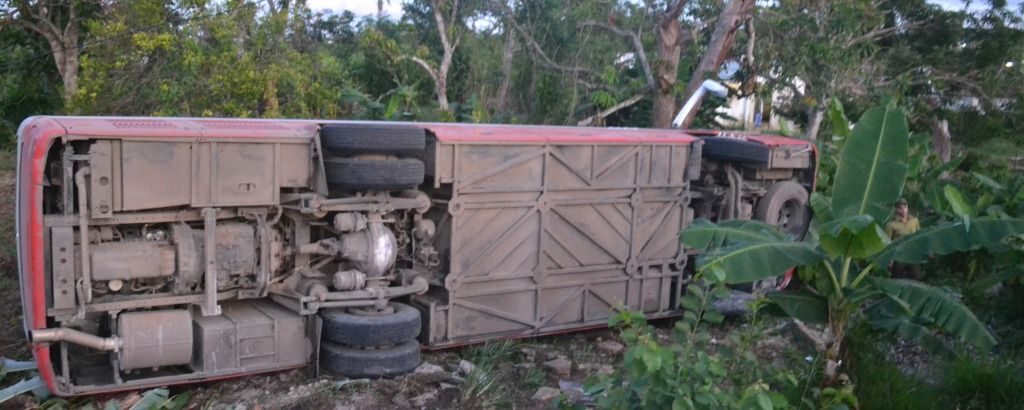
[(393, 8)]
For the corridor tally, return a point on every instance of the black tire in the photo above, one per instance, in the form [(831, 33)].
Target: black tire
[(736, 150), (352, 174), (371, 330), (355, 363), (785, 206), (355, 139)]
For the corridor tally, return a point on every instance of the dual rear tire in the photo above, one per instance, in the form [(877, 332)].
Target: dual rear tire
[(373, 157), (358, 344)]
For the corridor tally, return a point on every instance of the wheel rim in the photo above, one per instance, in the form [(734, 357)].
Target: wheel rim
[(789, 217), (765, 285)]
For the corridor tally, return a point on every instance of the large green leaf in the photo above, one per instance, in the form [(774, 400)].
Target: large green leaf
[(750, 262), (935, 306), (949, 238), (993, 279), (873, 165), (958, 202), (987, 181), (837, 118), (705, 235), (854, 236), (802, 305), (822, 207), (937, 172)]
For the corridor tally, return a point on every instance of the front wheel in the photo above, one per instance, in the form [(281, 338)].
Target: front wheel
[(785, 206)]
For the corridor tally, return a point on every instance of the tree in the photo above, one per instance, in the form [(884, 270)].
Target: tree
[(28, 84), (735, 13), (844, 282), (450, 30), (837, 54), (150, 57), (954, 73), (670, 44), (59, 23)]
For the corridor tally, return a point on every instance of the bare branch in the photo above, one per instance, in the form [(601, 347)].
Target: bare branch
[(422, 63), (611, 110), (442, 26), (638, 47), (544, 59), (882, 33), (674, 10)]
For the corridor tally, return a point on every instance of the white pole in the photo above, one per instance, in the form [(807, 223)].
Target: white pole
[(714, 87)]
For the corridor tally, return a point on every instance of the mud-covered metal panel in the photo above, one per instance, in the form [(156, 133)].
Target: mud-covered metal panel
[(791, 156), (249, 335), (234, 174), (296, 165), (549, 237), (155, 174), (245, 174)]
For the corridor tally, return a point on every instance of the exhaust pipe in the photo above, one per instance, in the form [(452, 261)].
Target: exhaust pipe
[(63, 334)]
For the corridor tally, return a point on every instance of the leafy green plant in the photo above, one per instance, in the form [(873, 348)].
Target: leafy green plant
[(695, 370), (844, 258)]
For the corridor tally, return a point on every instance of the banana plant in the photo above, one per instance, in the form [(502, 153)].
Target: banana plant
[(848, 254)]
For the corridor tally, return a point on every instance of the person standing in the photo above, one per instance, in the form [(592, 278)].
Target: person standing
[(903, 224)]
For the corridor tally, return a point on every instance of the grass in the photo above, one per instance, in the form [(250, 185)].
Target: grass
[(969, 381), (12, 341), (487, 385), (964, 383), (534, 378), (491, 354)]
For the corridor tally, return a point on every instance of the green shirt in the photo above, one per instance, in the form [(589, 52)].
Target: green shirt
[(897, 229)]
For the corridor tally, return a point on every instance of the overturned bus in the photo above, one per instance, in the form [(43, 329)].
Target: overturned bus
[(157, 251)]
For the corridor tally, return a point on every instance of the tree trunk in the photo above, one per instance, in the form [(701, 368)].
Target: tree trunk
[(449, 45), (69, 75), (442, 90), (666, 67), (838, 321), (65, 57), (44, 18), (722, 39), (942, 141), (501, 103), (814, 118)]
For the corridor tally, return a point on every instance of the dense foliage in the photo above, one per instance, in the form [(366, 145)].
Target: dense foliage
[(552, 61), (958, 76)]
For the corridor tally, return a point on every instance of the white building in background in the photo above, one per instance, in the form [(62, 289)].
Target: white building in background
[(755, 113)]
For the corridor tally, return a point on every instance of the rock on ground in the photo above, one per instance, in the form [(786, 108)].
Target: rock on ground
[(424, 399), (734, 305), (611, 347), (561, 366), (428, 368), (546, 393), (466, 367)]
